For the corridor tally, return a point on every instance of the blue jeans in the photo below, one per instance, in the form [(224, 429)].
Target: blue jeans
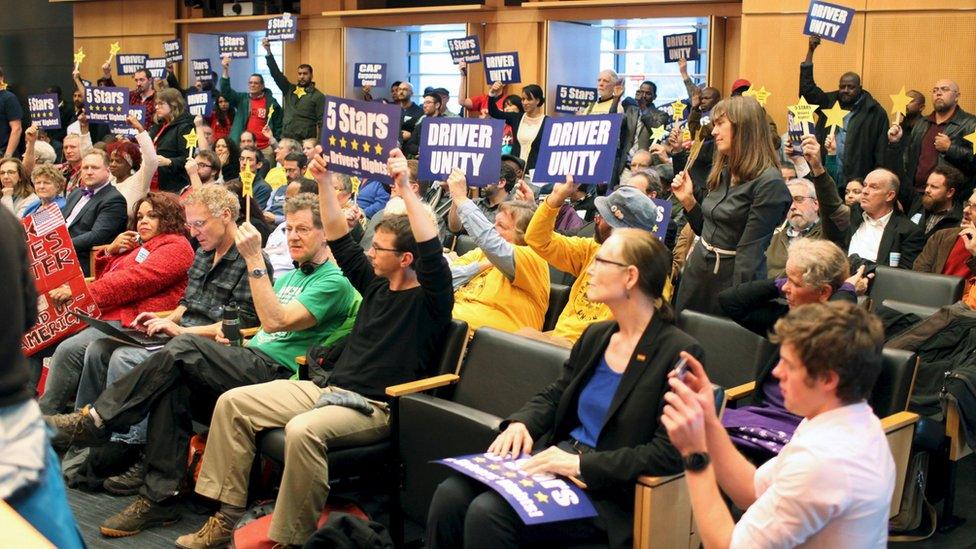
[(65, 371), (106, 360)]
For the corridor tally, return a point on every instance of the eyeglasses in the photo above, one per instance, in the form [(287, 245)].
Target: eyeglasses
[(382, 249), (196, 224), (601, 261)]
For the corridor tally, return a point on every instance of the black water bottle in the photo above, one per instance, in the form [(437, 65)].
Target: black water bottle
[(231, 325)]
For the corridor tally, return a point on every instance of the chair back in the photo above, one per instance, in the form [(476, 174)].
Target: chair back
[(931, 290), (893, 388), (558, 298), (453, 346), (733, 354), (464, 244), (502, 371)]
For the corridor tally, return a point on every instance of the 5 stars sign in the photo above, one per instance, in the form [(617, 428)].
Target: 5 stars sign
[(107, 105), (538, 499), (357, 137), (572, 99)]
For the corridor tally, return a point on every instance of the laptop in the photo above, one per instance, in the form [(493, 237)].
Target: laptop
[(116, 330)]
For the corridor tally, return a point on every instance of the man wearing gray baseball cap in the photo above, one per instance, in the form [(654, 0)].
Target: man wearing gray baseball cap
[(627, 207)]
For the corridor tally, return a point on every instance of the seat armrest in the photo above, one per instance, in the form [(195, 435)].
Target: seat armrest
[(958, 448), (898, 420), (740, 391), (655, 481), (420, 385), (249, 332)]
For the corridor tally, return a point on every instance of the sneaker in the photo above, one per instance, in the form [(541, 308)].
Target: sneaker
[(77, 428), (215, 533), (139, 515), (129, 482)]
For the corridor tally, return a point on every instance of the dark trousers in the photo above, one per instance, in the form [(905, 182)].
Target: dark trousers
[(179, 382), (466, 513)]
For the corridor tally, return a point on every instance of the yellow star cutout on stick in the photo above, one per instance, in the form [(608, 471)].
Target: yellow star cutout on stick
[(332, 141), (79, 57), (761, 95), (247, 181), (270, 113), (541, 497), (299, 92), (113, 49), (685, 134), (972, 139), (899, 104), (657, 134), (835, 115), (803, 111), (191, 141), (356, 182), (342, 142), (678, 108)]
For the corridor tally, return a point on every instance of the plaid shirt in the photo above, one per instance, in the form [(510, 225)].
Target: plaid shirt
[(210, 289)]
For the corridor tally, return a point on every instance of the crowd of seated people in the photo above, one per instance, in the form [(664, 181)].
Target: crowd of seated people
[(369, 270)]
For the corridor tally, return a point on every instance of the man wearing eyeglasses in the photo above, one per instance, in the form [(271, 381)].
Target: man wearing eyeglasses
[(802, 221), (407, 302), (938, 137), (307, 306)]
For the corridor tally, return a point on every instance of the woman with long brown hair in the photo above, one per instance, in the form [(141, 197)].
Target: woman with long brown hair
[(172, 124), (18, 192), (746, 199)]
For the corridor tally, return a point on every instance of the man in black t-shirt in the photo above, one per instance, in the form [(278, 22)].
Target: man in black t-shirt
[(11, 126), (407, 303)]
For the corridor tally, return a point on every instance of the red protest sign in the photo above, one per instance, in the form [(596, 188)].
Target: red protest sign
[(54, 263)]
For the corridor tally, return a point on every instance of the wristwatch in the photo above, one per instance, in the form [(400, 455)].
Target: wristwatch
[(258, 273), (696, 462)]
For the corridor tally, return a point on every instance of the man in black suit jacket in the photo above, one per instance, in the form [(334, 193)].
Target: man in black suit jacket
[(95, 212), (870, 231)]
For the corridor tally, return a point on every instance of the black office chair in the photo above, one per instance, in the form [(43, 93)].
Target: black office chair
[(500, 373), (733, 354), (921, 311), (560, 277), (930, 290), (893, 389), (558, 298), (376, 462)]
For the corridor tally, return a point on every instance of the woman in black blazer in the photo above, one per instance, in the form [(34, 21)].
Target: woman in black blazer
[(526, 126), (599, 422)]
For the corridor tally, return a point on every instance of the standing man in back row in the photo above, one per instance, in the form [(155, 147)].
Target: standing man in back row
[(254, 110), (303, 101)]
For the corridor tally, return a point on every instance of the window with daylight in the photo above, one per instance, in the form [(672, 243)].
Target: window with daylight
[(634, 48), (429, 61)]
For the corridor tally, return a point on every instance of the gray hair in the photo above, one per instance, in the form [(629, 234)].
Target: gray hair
[(305, 201), (291, 144), (821, 262), (343, 180), (216, 198), (613, 75), (808, 188)]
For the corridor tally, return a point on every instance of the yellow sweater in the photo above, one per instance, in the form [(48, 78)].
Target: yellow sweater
[(571, 254), (491, 299)]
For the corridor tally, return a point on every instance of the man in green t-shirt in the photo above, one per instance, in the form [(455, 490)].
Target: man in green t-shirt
[(305, 307)]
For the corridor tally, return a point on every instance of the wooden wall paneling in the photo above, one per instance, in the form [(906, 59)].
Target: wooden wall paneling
[(476, 73), (919, 5), (750, 7), (717, 46), (772, 48), (324, 50), (527, 39), (733, 54), (914, 51), (103, 18), (140, 17)]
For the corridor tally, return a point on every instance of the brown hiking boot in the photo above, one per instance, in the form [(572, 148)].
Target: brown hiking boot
[(139, 515), (77, 428), (215, 533)]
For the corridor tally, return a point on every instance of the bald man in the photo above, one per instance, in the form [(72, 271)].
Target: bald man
[(938, 137), (861, 142)]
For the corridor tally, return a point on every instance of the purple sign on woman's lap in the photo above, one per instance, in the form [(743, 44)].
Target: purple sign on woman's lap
[(538, 499)]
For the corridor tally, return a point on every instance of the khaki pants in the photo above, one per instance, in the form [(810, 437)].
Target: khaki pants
[(309, 433)]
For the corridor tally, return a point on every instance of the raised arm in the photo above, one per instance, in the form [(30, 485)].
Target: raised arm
[(283, 84), (422, 226), (463, 98), (149, 159), (499, 252), (333, 220), (809, 89), (30, 137)]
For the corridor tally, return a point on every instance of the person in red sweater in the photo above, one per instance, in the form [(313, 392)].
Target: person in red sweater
[(144, 269)]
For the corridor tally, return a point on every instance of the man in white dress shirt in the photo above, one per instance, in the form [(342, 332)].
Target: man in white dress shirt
[(831, 485)]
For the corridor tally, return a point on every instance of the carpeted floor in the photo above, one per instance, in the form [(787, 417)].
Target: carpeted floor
[(92, 508)]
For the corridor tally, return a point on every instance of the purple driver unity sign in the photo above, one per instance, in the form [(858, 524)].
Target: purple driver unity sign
[(538, 499)]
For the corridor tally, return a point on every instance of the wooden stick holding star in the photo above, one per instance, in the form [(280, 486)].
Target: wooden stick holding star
[(191, 142), (113, 49), (247, 190), (835, 117), (79, 57), (899, 105)]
